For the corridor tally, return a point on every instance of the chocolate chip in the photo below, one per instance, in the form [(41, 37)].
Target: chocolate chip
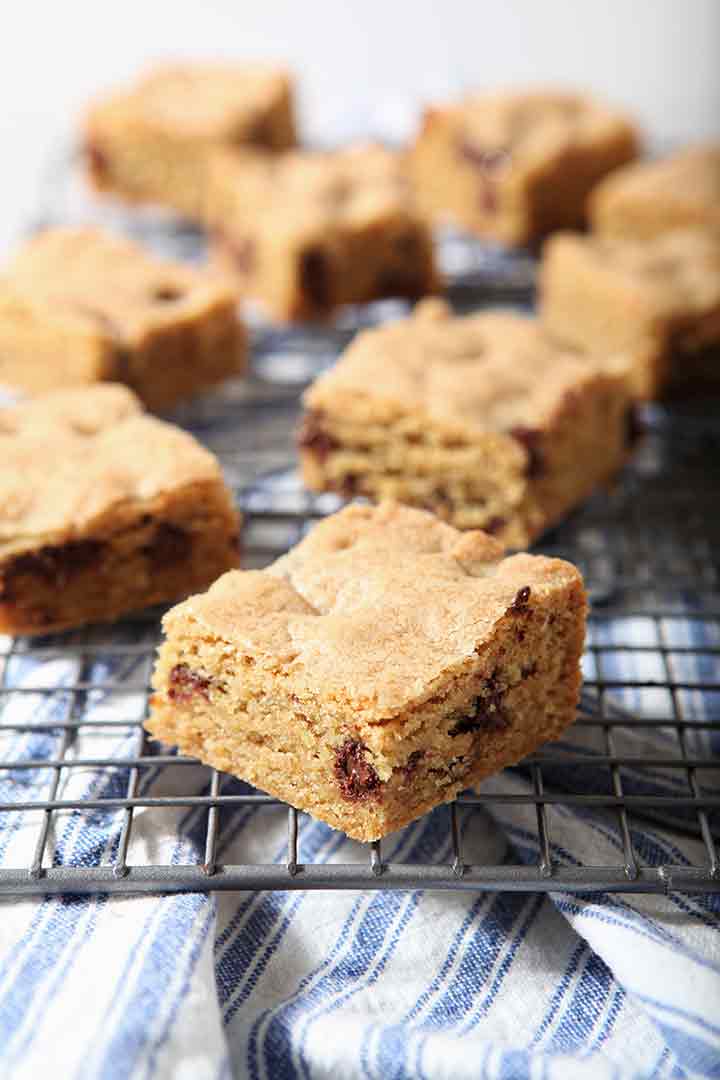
[(494, 525), (97, 161), (481, 157), (184, 683), (316, 277), (54, 566), (409, 245), (529, 671), (349, 486), (259, 132), (453, 770), (166, 294), (411, 765), (487, 163), (634, 426), (356, 777), (529, 438), (312, 436), (122, 365), (410, 284), (170, 545), (484, 712), (520, 605)]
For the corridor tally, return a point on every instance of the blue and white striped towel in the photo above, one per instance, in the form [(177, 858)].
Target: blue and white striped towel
[(343, 985)]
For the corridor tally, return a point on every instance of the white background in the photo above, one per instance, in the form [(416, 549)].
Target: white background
[(362, 64)]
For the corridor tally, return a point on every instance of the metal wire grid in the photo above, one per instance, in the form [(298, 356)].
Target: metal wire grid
[(649, 552)]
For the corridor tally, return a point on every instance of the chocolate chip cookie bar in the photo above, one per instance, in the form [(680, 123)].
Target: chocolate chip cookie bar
[(103, 511), (151, 142), (82, 306), (306, 232), (514, 166), (656, 300), (642, 200), (382, 666), (481, 419)]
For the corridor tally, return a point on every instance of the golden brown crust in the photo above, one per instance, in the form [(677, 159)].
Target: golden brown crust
[(80, 305), (515, 165), (85, 461), (103, 511), (348, 608), (487, 372), (657, 301), (151, 142), (384, 664), (216, 101), (643, 200)]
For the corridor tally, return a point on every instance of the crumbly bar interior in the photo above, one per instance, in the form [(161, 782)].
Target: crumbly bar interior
[(169, 549), (308, 277), (240, 681), (481, 420)]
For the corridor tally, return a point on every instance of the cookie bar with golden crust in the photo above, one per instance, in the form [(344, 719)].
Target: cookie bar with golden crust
[(656, 300), (382, 666), (306, 232), (513, 166), (151, 142), (103, 511), (647, 198), (79, 305), (481, 419)]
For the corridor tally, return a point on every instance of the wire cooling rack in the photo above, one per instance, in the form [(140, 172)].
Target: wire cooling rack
[(646, 743), (644, 746)]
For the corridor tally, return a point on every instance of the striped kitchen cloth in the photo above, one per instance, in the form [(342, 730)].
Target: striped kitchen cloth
[(341, 984)]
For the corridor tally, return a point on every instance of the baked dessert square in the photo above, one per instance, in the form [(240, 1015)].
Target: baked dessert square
[(306, 232), (647, 198), (382, 666), (482, 419), (150, 142), (81, 306), (513, 166), (104, 510), (655, 300)]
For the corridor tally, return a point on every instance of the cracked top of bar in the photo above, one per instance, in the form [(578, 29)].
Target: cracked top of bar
[(211, 100), (88, 280), (73, 461), (531, 124), (676, 272), (376, 609), (687, 183), (346, 187), (494, 371)]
